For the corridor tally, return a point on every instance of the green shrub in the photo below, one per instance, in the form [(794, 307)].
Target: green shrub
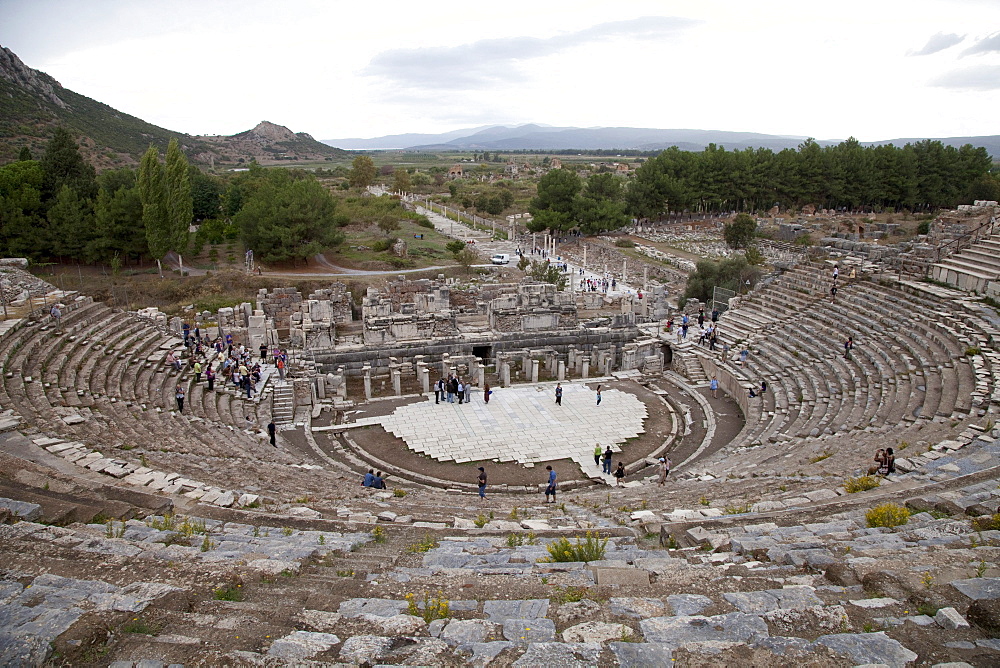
[(887, 515), (426, 543), (399, 493), (228, 593), (435, 607), (625, 243), (986, 523), (423, 222), (383, 245), (861, 483), (591, 549)]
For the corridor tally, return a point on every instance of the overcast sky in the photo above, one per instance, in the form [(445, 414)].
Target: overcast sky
[(874, 69)]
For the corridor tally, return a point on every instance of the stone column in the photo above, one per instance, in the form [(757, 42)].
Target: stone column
[(396, 386), (608, 363), (476, 371), (505, 374), (585, 257), (571, 357), (645, 279), (561, 370), (425, 377), (367, 371), (585, 371), (624, 267), (320, 387), (481, 373), (342, 388), (445, 366), (534, 371)]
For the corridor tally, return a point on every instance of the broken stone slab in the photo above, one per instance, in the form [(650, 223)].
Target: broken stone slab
[(272, 567), (873, 603), (621, 576), (74, 419), (525, 631), (397, 625), (595, 632), (636, 608), (484, 652), (355, 607), (559, 654), (463, 632), (676, 631), (361, 650), (641, 655), (28, 512), (868, 648), (950, 618), (684, 605), (979, 589), (300, 645), (500, 611)]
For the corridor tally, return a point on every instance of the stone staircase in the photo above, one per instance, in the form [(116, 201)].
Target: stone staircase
[(975, 269), (282, 404)]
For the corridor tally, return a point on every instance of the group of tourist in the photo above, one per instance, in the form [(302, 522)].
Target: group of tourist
[(452, 387), (599, 284), (885, 462), (374, 480)]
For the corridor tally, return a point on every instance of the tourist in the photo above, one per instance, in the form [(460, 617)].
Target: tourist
[(597, 454), (197, 371), (369, 478), (486, 393), (437, 390), (833, 294), (468, 393), (763, 386), (715, 315), (197, 333), (853, 274), (179, 396), (752, 393), (848, 347), (598, 395), (280, 363), (879, 462), (450, 389), (664, 471), (263, 352), (482, 482), (701, 317), (186, 329), (714, 386), (550, 490), (743, 356), (725, 352), (836, 272), (378, 482), (461, 392), (889, 463), (620, 474), (249, 423), (56, 315), (559, 392), (210, 377), (272, 432), (607, 461)]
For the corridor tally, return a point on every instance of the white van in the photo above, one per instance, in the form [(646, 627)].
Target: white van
[(500, 258)]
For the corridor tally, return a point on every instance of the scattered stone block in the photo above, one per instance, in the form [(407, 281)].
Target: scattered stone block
[(529, 630), (595, 632), (559, 654), (676, 631), (868, 648), (300, 645), (979, 589), (360, 650), (500, 611), (950, 618), (459, 632)]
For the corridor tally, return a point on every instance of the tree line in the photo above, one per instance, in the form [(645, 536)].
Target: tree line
[(920, 176), (59, 208)]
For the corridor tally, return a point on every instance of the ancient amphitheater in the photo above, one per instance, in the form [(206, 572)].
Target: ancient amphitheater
[(137, 535)]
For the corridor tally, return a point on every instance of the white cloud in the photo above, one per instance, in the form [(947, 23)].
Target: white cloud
[(981, 77), (938, 42), (986, 45)]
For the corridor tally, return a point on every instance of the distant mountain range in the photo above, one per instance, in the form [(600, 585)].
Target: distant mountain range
[(32, 103), (541, 137)]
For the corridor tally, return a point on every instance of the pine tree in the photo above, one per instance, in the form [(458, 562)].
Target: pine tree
[(62, 164), (180, 206), (24, 155), (154, 205)]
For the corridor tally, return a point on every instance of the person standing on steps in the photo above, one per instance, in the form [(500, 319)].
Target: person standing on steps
[(272, 432), (598, 395), (482, 482), (597, 454), (607, 460), (56, 315), (550, 490), (664, 471), (559, 394), (179, 396), (197, 371), (848, 347), (620, 474), (210, 377)]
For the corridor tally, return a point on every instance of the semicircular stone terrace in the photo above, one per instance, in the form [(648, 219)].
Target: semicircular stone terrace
[(520, 424)]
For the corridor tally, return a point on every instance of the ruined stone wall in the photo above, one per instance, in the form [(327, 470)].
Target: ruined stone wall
[(279, 304)]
